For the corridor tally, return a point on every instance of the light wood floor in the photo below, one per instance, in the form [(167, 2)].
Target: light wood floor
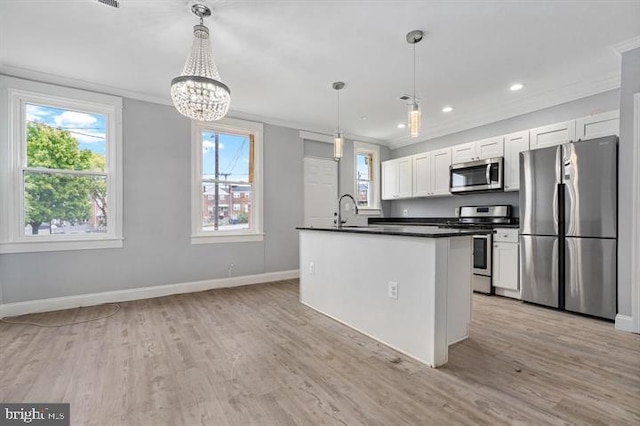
[(254, 355)]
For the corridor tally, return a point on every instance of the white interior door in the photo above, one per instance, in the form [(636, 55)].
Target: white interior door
[(320, 191)]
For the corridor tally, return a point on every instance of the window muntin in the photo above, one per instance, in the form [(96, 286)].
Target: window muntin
[(227, 204)]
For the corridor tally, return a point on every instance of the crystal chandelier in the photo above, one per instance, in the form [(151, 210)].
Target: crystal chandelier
[(198, 93), (338, 139), (415, 115)]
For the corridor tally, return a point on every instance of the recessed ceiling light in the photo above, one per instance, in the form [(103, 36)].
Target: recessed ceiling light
[(516, 86), (364, 118), (447, 109), (401, 125)]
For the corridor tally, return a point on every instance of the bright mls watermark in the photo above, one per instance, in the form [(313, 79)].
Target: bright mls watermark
[(34, 414)]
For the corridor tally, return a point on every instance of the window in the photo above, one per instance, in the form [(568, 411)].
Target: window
[(367, 172), (62, 188), (227, 160)]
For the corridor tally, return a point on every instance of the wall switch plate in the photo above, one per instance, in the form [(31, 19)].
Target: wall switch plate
[(393, 290), (312, 268)]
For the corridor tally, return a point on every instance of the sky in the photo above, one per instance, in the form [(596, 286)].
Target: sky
[(88, 129), (233, 156)]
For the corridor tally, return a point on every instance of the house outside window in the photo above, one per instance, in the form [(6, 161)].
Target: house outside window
[(61, 185), (367, 176), (226, 178)]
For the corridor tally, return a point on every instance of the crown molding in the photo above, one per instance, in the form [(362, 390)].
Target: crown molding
[(43, 77), (532, 103), (79, 84), (627, 45)]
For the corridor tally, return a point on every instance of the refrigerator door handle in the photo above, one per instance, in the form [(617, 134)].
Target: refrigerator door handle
[(556, 195)]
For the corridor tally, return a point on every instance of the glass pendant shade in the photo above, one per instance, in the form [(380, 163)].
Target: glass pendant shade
[(338, 145), (415, 117), (198, 93)]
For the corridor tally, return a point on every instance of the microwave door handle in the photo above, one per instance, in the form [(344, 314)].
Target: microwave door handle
[(488, 174)]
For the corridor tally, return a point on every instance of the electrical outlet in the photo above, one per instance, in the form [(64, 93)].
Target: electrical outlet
[(312, 268), (405, 212), (393, 290)]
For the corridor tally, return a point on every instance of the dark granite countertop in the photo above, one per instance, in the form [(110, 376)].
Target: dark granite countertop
[(405, 231), (432, 221)]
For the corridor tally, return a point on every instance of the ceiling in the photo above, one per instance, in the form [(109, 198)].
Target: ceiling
[(279, 57)]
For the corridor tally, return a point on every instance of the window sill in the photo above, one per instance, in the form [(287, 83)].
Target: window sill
[(369, 211), (60, 245), (226, 238)]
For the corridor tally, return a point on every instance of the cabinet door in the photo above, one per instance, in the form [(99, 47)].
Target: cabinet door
[(440, 162), (555, 134), (514, 144), (598, 125), (464, 152), (405, 178), (505, 265), (422, 175), (389, 180), (490, 148)]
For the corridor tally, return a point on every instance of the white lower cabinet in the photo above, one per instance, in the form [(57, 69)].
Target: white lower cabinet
[(506, 262)]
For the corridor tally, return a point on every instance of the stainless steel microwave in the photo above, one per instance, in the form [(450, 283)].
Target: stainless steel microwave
[(473, 176)]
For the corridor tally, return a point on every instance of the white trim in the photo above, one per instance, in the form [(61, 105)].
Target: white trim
[(60, 245), (624, 323), (230, 238), (318, 137), (15, 94), (627, 45), (91, 299), (232, 125), (635, 225), (377, 179), (532, 103), (39, 76), (67, 82)]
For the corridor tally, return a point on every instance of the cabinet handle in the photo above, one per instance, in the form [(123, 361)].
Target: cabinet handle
[(495, 245), (506, 186)]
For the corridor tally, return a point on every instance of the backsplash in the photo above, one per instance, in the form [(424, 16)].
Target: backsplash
[(446, 206)]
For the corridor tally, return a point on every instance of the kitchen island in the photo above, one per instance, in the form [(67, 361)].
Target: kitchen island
[(407, 287)]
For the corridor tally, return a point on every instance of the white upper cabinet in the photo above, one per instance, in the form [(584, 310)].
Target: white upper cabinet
[(598, 125), (555, 134), (440, 162), (479, 150), (490, 148), (422, 174), (514, 144), (464, 152), (431, 173), (397, 178)]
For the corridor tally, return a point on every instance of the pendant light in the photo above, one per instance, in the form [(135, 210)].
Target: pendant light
[(414, 112), (198, 92), (338, 139)]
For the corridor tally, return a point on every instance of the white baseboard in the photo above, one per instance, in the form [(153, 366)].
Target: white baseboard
[(91, 299), (625, 323)]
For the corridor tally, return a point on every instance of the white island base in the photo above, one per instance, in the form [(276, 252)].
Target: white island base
[(347, 276)]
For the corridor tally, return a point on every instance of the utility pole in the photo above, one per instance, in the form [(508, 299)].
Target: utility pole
[(217, 190)]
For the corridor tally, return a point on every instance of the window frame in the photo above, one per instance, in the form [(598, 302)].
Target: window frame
[(15, 93), (374, 150), (236, 126)]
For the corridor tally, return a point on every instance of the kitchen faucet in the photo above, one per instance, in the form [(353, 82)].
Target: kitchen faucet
[(338, 221)]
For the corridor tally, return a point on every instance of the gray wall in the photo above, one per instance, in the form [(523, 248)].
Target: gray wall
[(630, 85), (157, 248), (444, 206)]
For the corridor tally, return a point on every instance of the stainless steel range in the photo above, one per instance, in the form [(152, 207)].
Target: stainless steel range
[(483, 217)]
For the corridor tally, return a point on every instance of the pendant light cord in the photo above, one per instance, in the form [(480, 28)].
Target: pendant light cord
[(414, 72), (338, 129)]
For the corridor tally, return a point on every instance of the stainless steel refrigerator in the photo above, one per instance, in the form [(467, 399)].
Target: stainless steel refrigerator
[(568, 228)]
